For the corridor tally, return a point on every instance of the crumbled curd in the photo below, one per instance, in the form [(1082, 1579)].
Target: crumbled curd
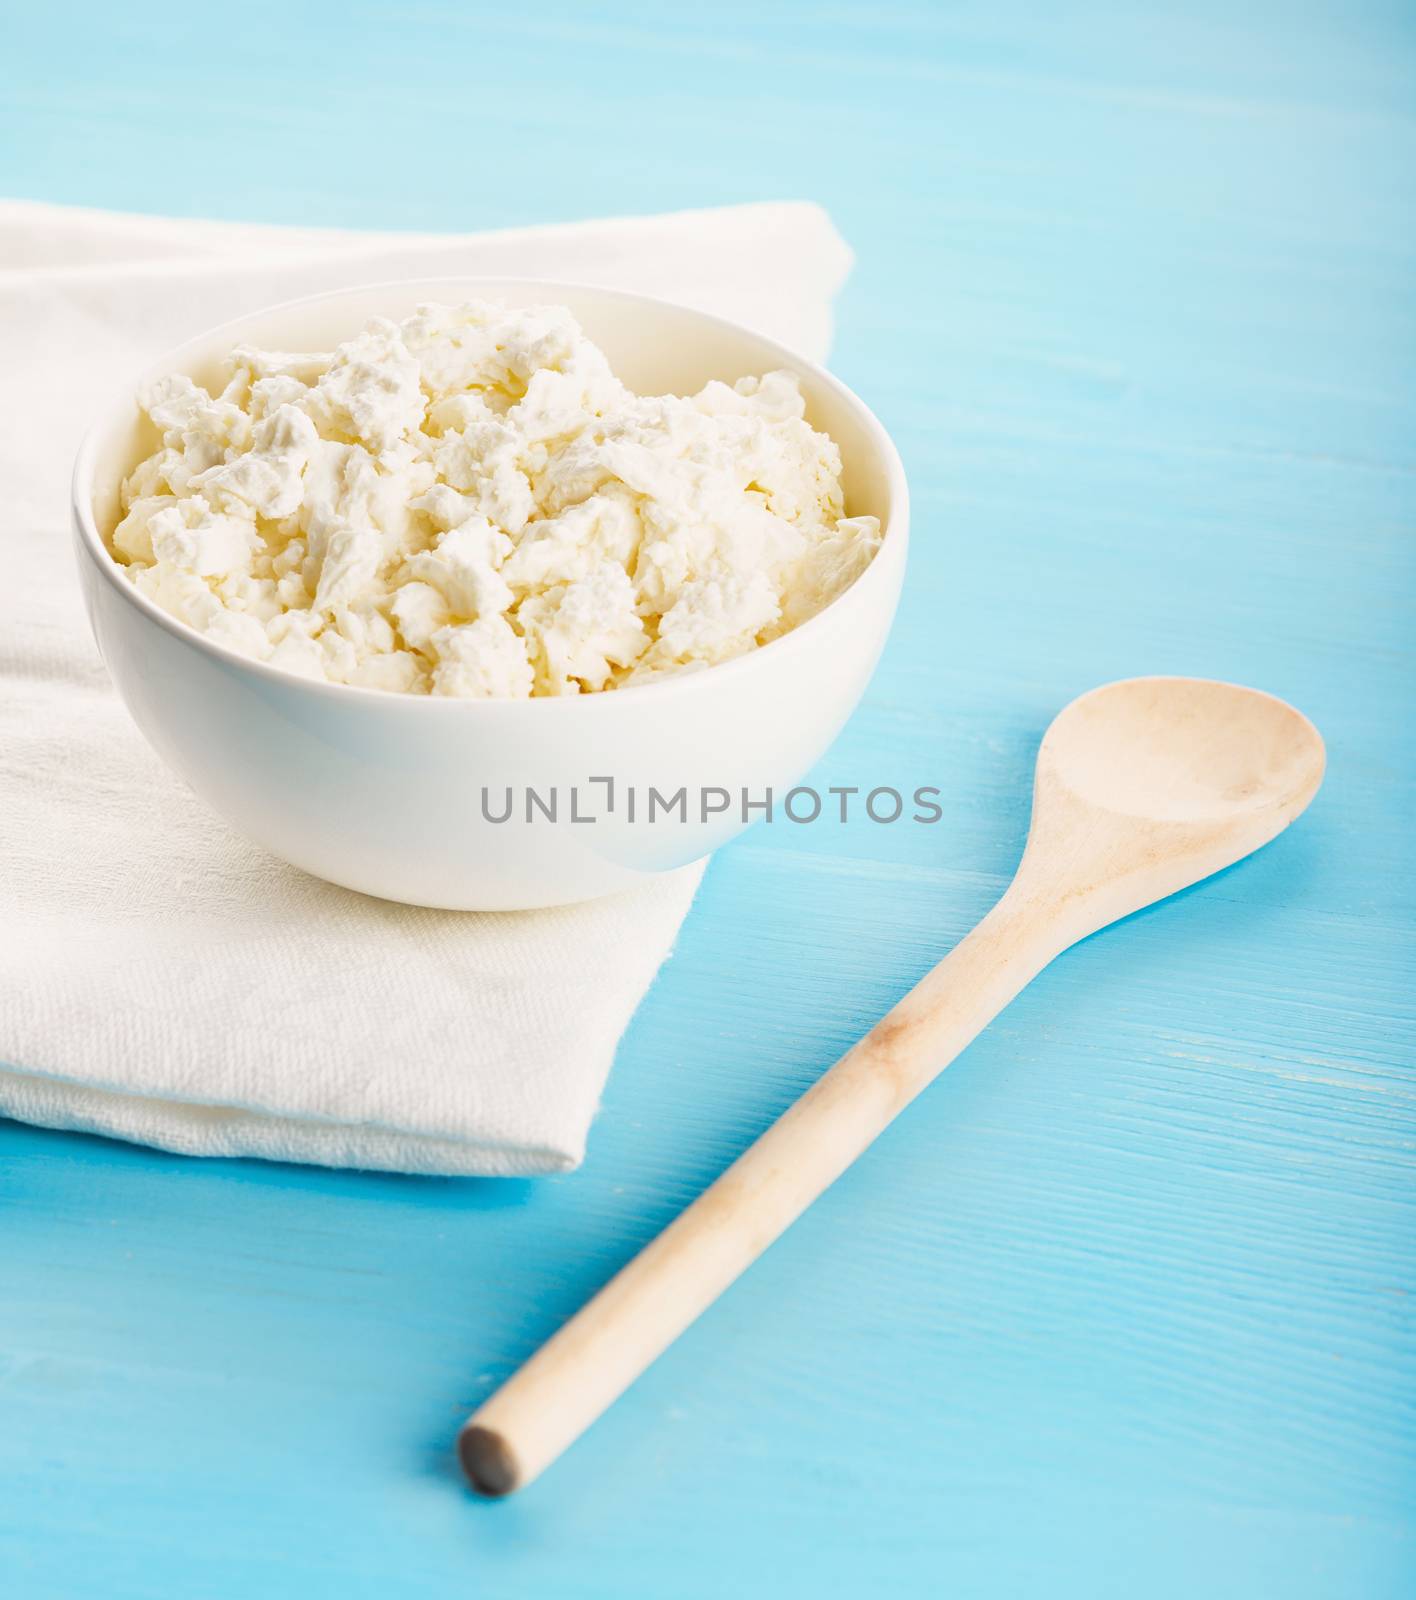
[(470, 503)]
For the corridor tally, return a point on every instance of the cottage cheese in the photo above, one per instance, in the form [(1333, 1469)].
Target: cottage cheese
[(470, 503)]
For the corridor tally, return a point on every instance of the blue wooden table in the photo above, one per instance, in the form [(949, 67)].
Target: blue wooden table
[(1123, 1306)]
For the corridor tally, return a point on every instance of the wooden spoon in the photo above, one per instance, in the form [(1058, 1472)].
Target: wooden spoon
[(1142, 788)]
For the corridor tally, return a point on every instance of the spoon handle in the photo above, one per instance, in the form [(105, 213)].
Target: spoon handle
[(582, 1369)]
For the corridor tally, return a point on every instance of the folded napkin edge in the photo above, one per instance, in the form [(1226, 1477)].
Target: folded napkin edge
[(196, 1129), (299, 246)]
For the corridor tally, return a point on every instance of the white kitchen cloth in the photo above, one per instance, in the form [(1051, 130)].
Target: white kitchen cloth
[(163, 981)]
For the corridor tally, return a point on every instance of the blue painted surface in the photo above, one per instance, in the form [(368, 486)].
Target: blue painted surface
[(1123, 1306)]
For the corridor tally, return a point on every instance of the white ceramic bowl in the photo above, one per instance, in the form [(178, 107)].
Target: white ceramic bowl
[(384, 792)]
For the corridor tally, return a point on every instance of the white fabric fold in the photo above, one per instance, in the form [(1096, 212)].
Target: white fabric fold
[(162, 980)]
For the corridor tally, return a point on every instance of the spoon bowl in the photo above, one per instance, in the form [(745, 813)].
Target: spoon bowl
[(1184, 750), (1145, 786)]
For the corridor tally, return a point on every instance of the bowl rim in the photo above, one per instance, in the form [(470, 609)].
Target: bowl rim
[(890, 556)]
